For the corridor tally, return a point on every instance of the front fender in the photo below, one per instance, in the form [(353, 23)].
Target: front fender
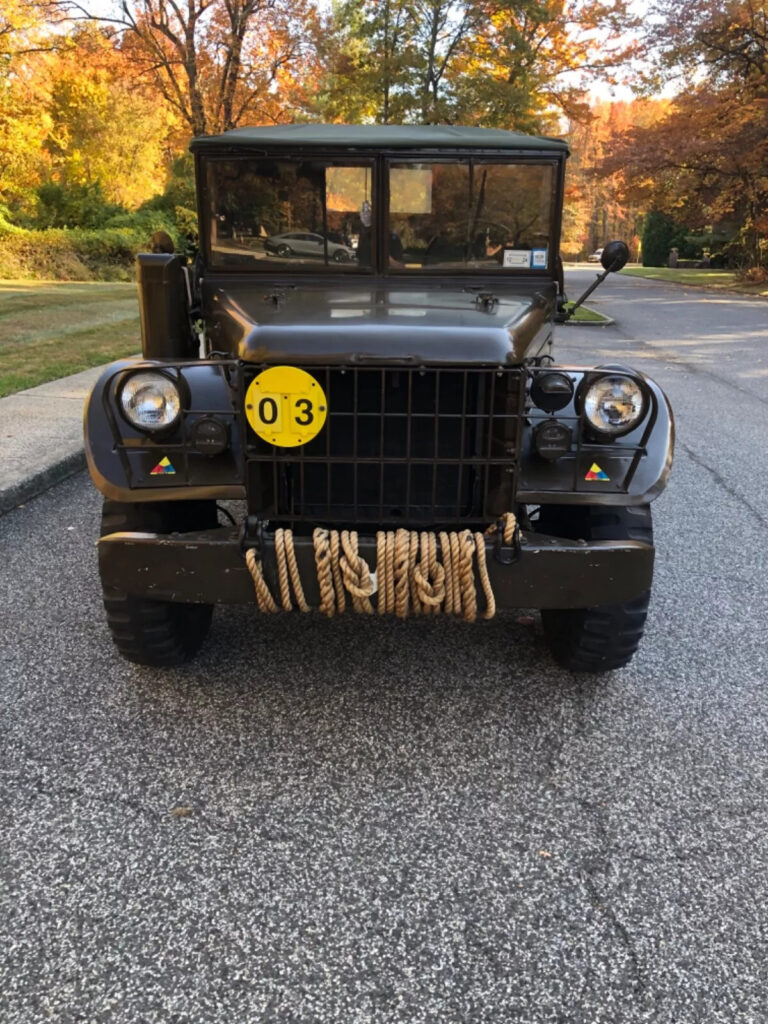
[(634, 468), (124, 462)]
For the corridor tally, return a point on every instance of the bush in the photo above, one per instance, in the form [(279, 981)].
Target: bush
[(756, 275), (146, 222), (694, 246), (70, 255), (73, 206)]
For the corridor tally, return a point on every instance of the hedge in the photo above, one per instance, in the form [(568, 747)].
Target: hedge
[(70, 254)]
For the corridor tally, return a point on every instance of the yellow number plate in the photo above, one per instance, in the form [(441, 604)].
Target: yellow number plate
[(286, 406)]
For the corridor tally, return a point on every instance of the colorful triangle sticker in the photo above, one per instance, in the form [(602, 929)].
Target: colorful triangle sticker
[(163, 466), (596, 473)]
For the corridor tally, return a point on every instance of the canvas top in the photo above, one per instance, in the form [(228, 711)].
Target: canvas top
[(375, 136)]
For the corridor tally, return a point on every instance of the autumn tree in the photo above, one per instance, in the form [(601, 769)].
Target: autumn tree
[(104, 126), (530, 62), (597, 207), (217, 63), (706, 163), (27, 38), (516, 64), (390, 60)]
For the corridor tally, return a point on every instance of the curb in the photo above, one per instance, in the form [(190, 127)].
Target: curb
[(41, 436), (16, 495), (606, 322)]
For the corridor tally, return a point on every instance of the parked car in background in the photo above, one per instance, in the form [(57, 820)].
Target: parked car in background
[(308, 244), (595, 257)]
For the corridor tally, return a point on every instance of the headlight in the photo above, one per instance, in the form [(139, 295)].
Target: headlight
[(614, 405), (150, 401)]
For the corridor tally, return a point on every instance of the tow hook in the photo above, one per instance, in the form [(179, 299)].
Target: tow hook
[(506, 554), (252, 534)]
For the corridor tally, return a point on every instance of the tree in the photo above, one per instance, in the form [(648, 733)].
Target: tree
[(215, 62), (531, 60), (730, 37), (707, 161), (105, 127), (25, 41), (598, 207), (24, 125), (510, 63), (658, 234), (388, 61)]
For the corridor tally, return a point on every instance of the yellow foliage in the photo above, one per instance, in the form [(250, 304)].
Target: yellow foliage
[(105, 125)]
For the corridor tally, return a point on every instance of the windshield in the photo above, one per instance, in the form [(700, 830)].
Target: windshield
[(289, 214), (308, 215), (470, 214)]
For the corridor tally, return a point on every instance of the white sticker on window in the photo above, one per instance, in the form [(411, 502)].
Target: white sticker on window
[(517, 258)]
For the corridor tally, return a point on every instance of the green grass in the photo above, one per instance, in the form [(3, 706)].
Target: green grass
[(723, 279), (49, 329), (585, 315)]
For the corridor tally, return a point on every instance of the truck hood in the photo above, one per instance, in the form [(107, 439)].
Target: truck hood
[(321, 323)]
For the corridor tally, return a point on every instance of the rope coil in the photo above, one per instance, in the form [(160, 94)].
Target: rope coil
[(408, 575)]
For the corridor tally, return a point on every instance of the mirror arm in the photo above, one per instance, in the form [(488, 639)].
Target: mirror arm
[(566, 314), (563, 315)]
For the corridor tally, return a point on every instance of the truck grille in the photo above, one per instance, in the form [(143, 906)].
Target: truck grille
[(401, 445)]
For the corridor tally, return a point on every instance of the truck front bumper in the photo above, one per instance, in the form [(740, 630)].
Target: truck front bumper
[(209, 567)]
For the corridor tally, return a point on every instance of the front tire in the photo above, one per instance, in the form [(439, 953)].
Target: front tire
[(158, 633), (604, 638)]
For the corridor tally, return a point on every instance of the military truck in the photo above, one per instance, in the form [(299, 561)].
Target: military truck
[(348, 402)]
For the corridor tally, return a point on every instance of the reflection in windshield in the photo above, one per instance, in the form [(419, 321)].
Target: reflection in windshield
[(299, 212), (469, 214)]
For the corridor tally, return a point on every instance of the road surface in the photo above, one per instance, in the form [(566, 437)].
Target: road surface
[(368, 821)]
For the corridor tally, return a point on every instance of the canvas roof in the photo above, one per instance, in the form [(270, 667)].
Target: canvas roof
[(369, 136)]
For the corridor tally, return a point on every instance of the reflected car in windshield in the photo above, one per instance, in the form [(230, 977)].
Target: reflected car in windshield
[(307, 243)]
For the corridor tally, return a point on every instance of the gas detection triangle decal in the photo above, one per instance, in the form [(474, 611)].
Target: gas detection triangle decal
[(163, 466), (596, 473)]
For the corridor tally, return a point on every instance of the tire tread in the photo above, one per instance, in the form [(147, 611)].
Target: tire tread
[(606, 637), (147, 632)]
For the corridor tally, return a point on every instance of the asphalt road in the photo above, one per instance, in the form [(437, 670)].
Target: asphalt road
[(421, 822)]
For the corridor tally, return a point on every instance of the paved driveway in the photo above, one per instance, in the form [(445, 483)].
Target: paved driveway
[(369, 821)]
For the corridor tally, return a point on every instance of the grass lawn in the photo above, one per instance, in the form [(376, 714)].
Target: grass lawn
[(585, 315), (725, 279), (49, 329)]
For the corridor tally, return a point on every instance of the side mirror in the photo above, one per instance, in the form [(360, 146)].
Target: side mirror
[(614, 257)]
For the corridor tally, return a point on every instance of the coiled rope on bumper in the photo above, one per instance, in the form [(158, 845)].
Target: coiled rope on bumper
[(408, 577)]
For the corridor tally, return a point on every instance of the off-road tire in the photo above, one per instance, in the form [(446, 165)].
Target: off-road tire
[(159, 633), (604, 638)]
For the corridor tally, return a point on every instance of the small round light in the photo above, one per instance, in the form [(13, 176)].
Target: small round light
[(209, 437), (551, 391), (614, 404), (552, 440), (150, 401)]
